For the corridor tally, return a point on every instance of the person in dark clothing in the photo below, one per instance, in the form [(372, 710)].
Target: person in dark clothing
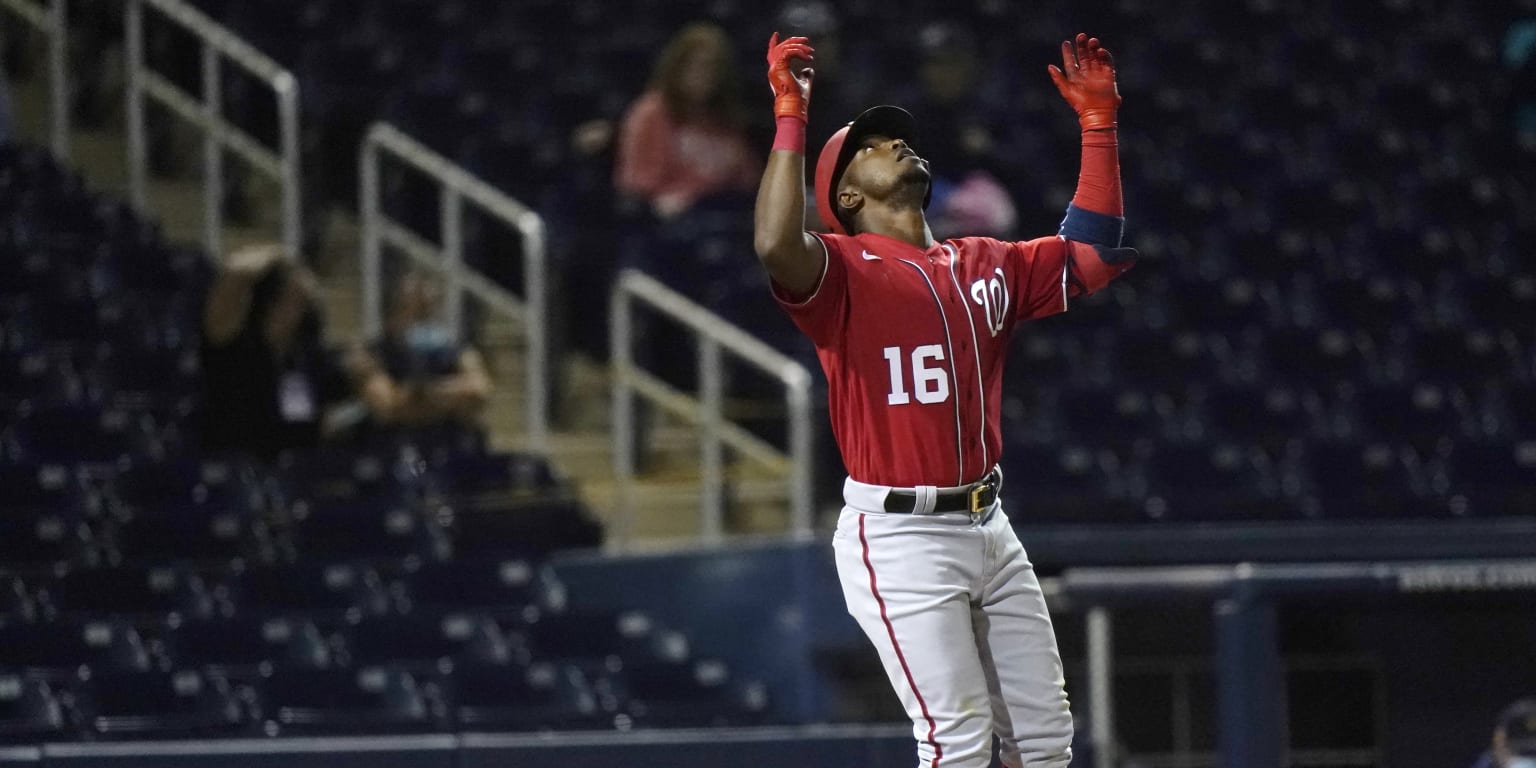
[(269, 383), (418, 374)]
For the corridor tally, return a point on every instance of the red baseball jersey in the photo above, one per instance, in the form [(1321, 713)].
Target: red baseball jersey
[(913, 343)]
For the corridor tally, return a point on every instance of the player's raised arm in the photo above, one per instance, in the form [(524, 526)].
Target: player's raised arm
[(793, 257), (1096, 216)]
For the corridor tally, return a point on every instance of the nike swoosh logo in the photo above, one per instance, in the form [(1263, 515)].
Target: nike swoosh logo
[(870, 256)]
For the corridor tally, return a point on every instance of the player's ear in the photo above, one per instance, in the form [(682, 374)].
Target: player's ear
[(849, 200)]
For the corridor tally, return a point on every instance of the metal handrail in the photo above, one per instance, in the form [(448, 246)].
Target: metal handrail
[(52, 20), (713, 334), (457, 187), (205, 111)]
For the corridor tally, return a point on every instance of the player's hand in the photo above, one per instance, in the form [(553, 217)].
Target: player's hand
[(791, 88), (1086, 80)]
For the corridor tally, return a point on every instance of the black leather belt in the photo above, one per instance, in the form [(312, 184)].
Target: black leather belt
[(975, 498)]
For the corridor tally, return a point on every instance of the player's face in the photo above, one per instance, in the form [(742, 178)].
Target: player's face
[(882, 166)]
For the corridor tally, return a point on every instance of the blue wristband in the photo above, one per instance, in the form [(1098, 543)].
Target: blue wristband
[(1089, 227)]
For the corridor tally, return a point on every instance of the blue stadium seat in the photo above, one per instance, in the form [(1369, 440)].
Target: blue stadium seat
[(206, 512), (342, 700), (36, 376), (502, 586), (1361, 480), (539, 697), (127, 591), (56, 649), (383, 526), (1494, 478), (242, 647), (697, 694), (1269, 416), (1375, 304), (1152, 358), (1306, 356), (1071, 483), (1218, 481), (156, 704), (31, 537), (81, 435), (488, 527), (340, 474), (1422, 415), (17, 604), (517, 473), (429, 642), (593, 641), (1118, 416), (322, 590), (46, 488), (1465, 354), (31, 710)]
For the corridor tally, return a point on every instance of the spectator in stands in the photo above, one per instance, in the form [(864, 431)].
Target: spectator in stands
[(684, 138), (270, 385), (1514, 738), (418, 374)]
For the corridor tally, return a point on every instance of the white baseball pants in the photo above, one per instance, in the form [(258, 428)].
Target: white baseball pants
[(954, 608)]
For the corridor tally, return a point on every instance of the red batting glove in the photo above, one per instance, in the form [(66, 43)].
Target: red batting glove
[(791, 89), (1086, 80)]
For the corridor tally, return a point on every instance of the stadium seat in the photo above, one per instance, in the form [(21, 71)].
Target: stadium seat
[(1072, 483), (382, 526), (334, 590), (486, 527), (17, 605), (341, 474), (242, 647), (203, 511), (1320, 358), (508, 473), (1422, 415), (1216, 481), (127, 591), (428, 642), (54, 650), (499, 586), (1363, 480), (1152, 358), (512, 697), (160, 705), (1267, 416), (30, 710), (697, 694), (342, 700), (81, 435), (592, 641), (1465, 354), (43, 517), (1115, 417), (1494, 478)]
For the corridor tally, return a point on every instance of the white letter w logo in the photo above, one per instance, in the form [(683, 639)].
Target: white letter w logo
[(991, 294)]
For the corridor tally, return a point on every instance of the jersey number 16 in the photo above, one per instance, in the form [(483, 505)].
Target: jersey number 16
[(930, 384)]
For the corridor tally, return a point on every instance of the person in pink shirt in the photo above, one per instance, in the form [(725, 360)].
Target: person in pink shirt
[(684, 138)]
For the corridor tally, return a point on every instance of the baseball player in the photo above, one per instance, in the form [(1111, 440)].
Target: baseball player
[(912, 334)]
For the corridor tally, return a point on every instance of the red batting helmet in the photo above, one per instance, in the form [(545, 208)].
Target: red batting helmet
[(889, 121)]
